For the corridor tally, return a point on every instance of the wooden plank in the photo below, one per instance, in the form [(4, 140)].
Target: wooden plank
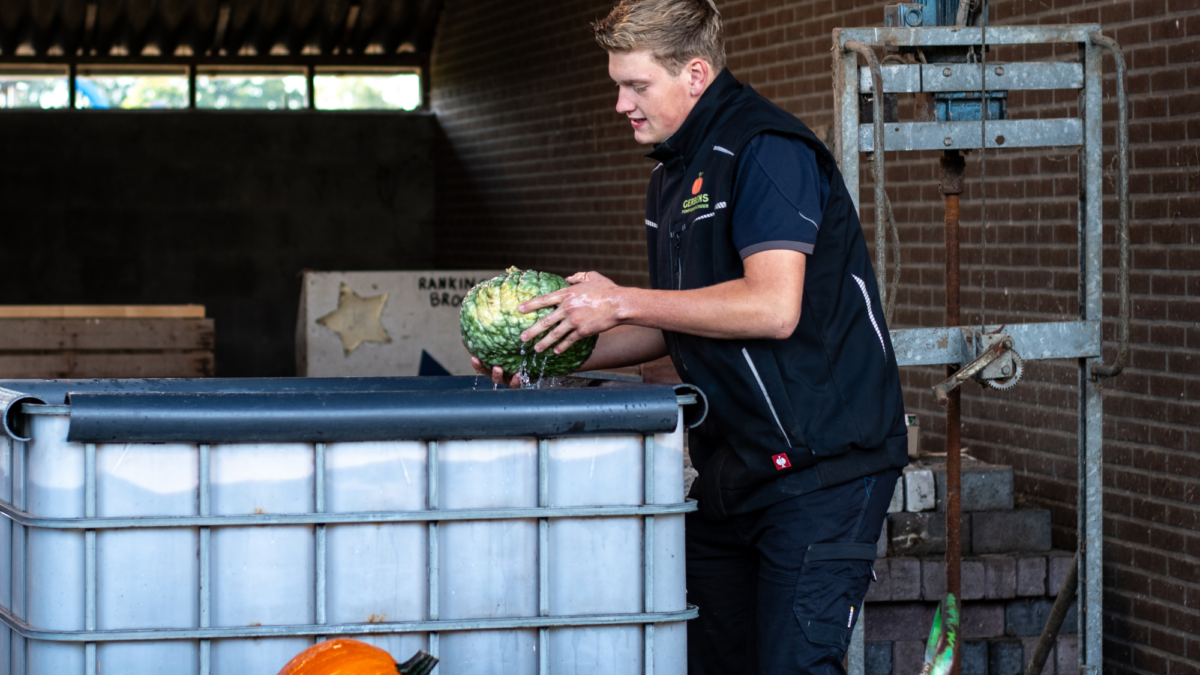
[(40, 335), (102, 311), (75, 365)]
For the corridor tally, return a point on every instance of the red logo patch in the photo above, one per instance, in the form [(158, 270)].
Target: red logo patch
[(697, 186), (781, 462)]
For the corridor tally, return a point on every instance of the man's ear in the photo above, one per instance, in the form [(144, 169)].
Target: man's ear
[(699, 76)]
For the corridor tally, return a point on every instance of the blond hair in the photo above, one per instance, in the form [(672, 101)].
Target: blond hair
[(674, 31)]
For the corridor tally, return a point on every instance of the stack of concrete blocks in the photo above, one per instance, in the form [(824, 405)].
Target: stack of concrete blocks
[(1010, 576)]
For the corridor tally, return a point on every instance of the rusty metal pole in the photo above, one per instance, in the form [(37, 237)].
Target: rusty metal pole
[(952, 167)]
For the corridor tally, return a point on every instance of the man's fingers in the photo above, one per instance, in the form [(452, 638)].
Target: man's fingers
[(563, 336), (542, 325), (565, 343), (547, 300)]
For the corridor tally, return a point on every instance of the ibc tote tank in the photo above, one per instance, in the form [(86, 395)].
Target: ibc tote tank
[(221, 526)]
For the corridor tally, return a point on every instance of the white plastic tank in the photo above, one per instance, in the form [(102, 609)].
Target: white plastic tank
[(515, 554)]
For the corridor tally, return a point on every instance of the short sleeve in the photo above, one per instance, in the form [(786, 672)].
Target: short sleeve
[(779, 197)]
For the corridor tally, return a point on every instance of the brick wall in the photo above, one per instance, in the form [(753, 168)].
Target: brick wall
[(537, 170), (221, 209)]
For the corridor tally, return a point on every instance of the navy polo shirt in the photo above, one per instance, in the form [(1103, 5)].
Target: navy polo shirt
[(779, 197)]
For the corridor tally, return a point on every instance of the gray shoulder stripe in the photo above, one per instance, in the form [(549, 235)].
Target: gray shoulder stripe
[(777, 245), (815, 223), (656, 168), (650, 224), (724, 150)]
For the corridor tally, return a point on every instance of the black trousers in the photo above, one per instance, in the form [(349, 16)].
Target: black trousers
[(779, 590)]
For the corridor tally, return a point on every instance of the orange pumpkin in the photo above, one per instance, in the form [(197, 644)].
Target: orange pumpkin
[(352, 657)]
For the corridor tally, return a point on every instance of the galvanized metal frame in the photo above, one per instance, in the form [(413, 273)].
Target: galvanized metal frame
[(14, 510), (1091, 405), (1079, 340)]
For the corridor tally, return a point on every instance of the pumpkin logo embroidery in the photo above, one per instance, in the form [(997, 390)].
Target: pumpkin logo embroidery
[(781, 462), (698, 185)]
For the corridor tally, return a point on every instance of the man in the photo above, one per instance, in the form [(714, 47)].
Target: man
[(762, 293)]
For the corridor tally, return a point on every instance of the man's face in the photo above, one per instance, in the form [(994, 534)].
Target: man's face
[(655, 101)]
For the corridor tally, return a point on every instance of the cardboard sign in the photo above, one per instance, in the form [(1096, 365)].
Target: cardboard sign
[(372, 324)]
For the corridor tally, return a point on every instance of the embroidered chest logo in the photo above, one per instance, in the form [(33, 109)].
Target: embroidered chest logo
[(781, 462), (698, 200)]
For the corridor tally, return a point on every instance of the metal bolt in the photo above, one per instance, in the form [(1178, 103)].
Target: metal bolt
[(999, 70), (946, 72), (999, 140), (1005, 370), (948, 142), (1008, 344)]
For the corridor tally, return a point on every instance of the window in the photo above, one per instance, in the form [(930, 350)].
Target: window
[(211, 87), (131, 88), (341, 89), (225, 89), (34, 88)]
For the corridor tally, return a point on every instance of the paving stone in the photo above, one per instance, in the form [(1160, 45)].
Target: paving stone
[(899, 621), (973, 660), (1070, 624), (1000, 577), (933, 579), (985, 487), (980, 620), (973, 580), (908, 656), (1066, 654), (906, 579), (878, 658), (1010, 531), (1029, 644), (1027, 617), (1060, 567), (897, 503), (1005, 657), (1031, 576), (919, 492), (924, 534), (880, 589)]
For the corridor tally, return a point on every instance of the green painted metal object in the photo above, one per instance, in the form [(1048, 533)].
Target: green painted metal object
[(942, 648)]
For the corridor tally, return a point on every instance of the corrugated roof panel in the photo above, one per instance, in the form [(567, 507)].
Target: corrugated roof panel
[(165, 29)]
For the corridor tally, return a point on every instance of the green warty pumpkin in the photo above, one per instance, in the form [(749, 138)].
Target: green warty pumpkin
[(491, 325)]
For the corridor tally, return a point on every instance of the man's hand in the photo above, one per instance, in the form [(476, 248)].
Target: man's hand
[(495, 374), (589, 306)]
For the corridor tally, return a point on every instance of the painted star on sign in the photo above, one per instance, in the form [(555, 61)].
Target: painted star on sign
[(356, 319)]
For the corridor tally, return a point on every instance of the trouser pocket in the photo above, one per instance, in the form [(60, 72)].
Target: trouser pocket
[(830, 591)]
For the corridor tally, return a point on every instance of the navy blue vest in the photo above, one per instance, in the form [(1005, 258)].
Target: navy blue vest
[(790, 416)]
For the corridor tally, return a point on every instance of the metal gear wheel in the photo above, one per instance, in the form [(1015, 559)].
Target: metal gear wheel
[(1009, 382)]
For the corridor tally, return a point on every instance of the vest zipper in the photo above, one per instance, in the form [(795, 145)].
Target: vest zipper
[(763, 388), (677, 256)]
